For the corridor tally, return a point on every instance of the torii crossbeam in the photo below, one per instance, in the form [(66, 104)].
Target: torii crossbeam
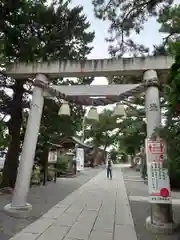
[(94, 67), (105, 94)]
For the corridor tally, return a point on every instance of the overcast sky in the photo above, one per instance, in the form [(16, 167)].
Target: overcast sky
[(149, 37)]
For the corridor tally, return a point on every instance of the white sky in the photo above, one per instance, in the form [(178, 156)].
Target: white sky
[(149, 37)]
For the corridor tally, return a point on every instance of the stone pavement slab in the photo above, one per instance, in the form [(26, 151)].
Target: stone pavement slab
[(138, 199), (97, 210)]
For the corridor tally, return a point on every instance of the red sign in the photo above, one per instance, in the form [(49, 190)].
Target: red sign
[(156, 147), (164, 192)]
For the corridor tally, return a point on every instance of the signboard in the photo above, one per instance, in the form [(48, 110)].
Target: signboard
[(52, 158), (79, 159), (158, 178), (156, 147)]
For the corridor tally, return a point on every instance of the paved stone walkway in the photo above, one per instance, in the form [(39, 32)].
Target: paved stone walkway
[(42, 199), (97, 210), (138, 198)]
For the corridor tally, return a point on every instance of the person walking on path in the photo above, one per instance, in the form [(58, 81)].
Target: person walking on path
[(109, 169)]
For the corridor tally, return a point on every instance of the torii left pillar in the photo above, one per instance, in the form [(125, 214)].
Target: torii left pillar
[(19, 205)]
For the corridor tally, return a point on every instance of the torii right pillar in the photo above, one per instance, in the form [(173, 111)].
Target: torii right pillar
[(160, 220)]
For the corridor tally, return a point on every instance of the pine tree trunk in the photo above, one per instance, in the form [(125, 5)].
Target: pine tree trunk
[(12, 158)]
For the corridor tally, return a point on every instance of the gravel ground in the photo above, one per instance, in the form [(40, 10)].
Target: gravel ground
[(140, 210), (42, 199)]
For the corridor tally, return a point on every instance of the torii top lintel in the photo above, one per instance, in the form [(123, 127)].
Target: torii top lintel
[(96, 67)]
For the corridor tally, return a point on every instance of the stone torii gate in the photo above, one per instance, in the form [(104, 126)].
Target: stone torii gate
[(149, 68)]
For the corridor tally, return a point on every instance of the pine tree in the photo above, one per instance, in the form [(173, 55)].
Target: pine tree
[(31, 30), (126, 17)]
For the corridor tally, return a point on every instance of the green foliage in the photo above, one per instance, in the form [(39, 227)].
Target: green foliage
[(169, 20), (171, 131), (36, 175), (125, 135), (102, 131), (172, 89), (36, 31), (42, 32), (133, 134), (170, 23), (62, 163), (54, 127), (126, 17), (171, 134)]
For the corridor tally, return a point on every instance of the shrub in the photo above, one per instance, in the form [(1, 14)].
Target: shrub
[(62, 163)]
